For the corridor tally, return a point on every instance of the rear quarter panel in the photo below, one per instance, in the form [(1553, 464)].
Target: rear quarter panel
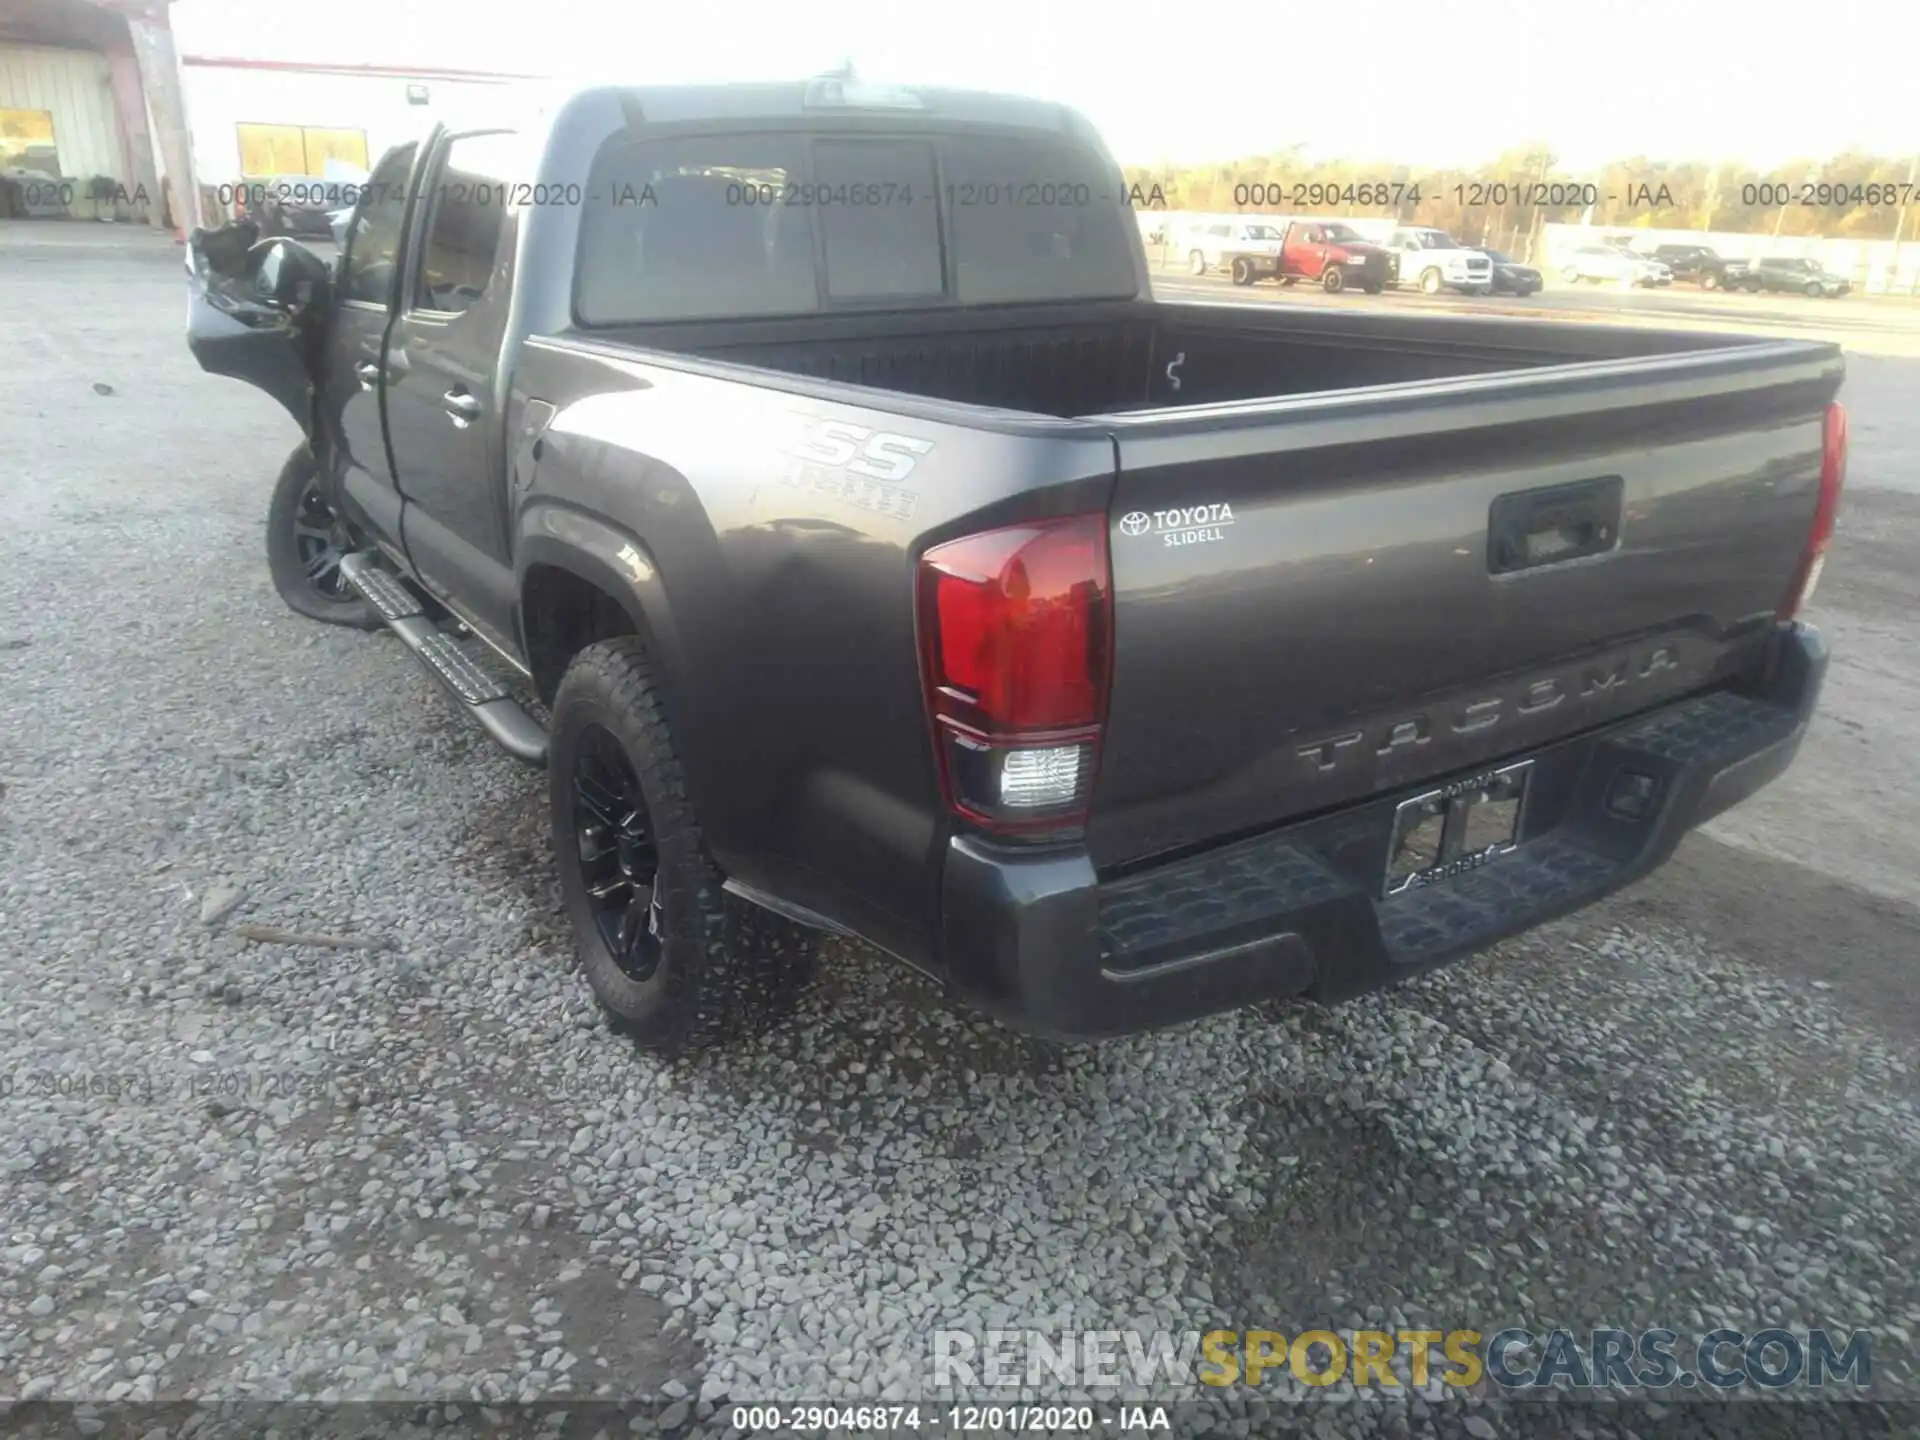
[(773, 534)]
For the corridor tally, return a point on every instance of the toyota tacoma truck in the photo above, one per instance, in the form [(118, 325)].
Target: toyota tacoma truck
[(806, 476)]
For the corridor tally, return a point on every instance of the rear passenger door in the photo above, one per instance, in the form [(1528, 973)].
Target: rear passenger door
[(353, 360), (444, 400)]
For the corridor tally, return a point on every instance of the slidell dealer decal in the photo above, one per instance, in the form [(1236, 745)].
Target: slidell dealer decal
[(1190, 525)]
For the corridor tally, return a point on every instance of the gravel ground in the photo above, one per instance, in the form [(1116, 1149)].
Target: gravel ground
[(423, 1168)]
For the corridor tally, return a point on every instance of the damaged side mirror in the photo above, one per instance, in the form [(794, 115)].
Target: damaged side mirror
[(261, 283), (259, 311), (288, 275)]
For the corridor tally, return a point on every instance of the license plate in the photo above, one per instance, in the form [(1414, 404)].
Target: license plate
[(1459, 827)]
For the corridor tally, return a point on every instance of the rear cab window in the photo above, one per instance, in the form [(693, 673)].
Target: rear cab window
[(1034, 220), (764, 224), (715, 228), (879, 219)]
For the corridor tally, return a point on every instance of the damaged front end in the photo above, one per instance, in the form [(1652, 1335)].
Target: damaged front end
[(258, 311)]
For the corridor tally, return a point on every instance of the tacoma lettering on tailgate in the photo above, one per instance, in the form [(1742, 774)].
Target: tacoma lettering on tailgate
[(1526, 698)]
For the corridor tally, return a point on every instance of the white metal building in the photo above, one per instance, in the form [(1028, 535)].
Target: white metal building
[(59, 102), (252, 117), (90, 101), (93, 95)]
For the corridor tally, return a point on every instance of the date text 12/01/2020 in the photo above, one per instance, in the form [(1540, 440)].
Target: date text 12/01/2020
[(950, 1419)]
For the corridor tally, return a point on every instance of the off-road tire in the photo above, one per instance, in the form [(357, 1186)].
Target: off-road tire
[(727, 969), (1432, 282), (1333, 280), (289, 508)]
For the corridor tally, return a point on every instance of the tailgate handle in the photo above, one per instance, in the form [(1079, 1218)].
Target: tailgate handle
[(1552, 525)]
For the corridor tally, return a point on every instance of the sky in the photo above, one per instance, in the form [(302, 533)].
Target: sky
[(1426, 83)]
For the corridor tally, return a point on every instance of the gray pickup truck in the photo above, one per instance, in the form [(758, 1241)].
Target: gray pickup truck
[(862, 548)]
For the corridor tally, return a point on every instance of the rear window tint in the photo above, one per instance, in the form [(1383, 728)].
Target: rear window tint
[(1035, 221), (725, 226), (695, 241), (880, 217)]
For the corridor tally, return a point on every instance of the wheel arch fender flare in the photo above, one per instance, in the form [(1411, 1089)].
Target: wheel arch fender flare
[(612, 560), (554, 536)]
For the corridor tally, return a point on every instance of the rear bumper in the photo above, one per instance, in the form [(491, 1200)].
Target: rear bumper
[(1041, 941)]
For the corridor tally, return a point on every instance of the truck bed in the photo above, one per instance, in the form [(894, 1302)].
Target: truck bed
[(1351, 552), (1114, 358)]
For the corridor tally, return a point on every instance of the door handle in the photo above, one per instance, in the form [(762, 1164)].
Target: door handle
[(369, 375), (462, 408)]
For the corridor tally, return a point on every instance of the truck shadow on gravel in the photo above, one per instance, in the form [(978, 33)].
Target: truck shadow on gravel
[(511, 850), (862, 1006), (1355, 1225)]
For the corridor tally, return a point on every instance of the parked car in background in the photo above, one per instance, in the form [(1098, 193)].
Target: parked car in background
[(1510, 277), (1807, 277), (1699, 265), (1334, 255), (1248, 250), (1600, 263), (294, 204), (1435, 261)]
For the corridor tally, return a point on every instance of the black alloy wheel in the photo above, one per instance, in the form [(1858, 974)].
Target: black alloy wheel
[(322, 542), (619, 866), (306, 541)]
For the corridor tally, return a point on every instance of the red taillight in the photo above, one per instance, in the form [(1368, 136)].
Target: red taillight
[(1833, 475), (1016, 645)]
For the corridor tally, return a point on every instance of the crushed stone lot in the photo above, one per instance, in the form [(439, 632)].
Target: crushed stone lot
[(420, 1167)]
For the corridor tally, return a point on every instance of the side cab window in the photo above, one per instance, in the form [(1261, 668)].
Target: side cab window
[(373, 241), (468, 199)]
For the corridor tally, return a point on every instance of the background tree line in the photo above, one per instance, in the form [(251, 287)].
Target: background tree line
[(1679, 196)]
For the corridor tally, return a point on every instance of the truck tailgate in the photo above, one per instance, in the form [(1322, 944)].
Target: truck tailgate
[(1322, 598)]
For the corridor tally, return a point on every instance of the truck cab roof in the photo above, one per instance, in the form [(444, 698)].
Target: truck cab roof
[(803, 105)]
